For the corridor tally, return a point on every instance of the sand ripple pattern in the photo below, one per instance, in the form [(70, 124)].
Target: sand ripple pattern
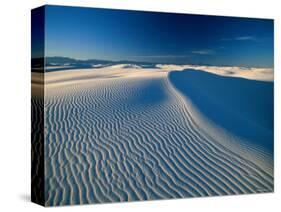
[(128, 139)]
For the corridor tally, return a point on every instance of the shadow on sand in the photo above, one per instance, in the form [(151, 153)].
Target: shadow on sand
[(243, 107)]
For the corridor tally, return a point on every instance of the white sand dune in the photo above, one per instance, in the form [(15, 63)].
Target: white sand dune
[(37, 137), (127, 133), (243, 107), (262, 74), (58, 67)]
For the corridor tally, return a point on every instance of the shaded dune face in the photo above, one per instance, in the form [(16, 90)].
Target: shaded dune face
[(243, 107), (37, 150), (135, 138), (37, 137)]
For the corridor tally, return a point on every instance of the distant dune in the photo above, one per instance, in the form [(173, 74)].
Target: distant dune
[(126, 133)]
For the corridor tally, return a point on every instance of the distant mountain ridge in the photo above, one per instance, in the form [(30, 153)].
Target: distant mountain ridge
[(54, 63), (67, 60), (39, 64), (64, 60)]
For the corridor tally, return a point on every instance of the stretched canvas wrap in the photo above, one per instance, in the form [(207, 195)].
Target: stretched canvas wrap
[(134, 105)]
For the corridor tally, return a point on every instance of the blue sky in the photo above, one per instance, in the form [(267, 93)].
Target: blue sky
[(86, 33)]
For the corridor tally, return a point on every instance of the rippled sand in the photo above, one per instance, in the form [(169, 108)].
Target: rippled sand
[(124, 134)]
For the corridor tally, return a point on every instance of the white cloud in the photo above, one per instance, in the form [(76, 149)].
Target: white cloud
[(203, 52), (240, 38), (245, 38), (160, 56)]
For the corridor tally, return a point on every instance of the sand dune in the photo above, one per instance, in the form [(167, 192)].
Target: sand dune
[(37, 137), (128, 133), (244, 105), (261, 74)]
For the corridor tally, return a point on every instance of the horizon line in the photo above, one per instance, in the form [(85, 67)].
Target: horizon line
[(175, 63)]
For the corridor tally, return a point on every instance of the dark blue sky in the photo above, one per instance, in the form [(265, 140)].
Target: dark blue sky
[(86, 33)]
